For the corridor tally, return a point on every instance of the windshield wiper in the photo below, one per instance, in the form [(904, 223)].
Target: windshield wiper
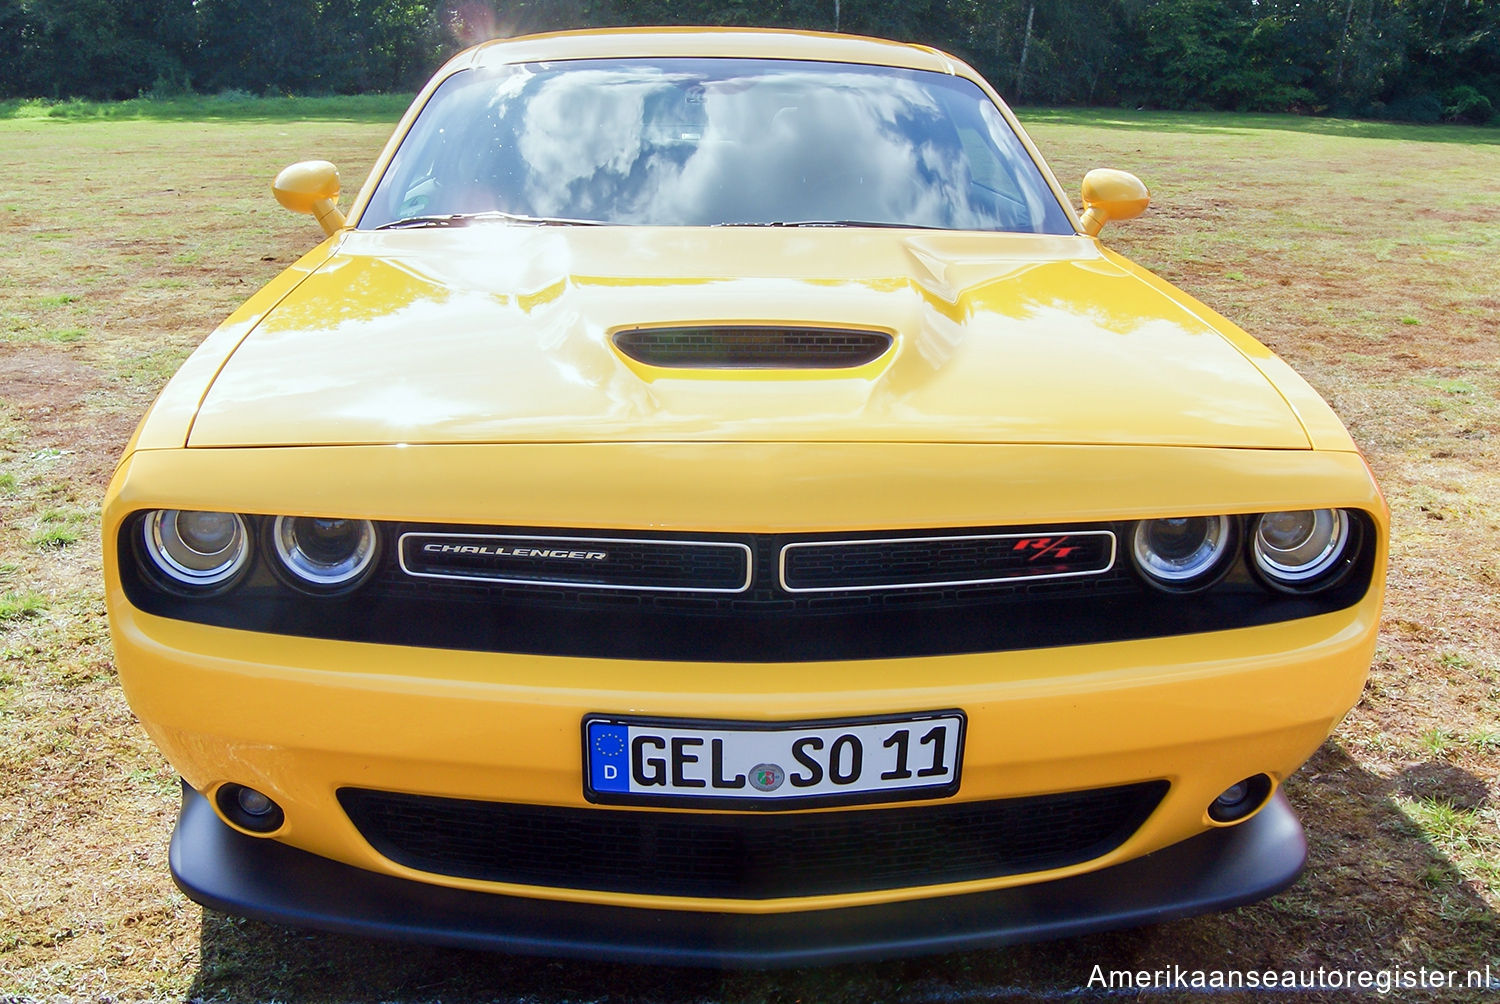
[(832, 223), (497, 216), (491, 216)]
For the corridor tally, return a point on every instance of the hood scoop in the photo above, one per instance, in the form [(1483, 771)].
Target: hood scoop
[(743, 347)]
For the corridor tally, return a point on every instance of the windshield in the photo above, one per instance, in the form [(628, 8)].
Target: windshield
[(702, 142)]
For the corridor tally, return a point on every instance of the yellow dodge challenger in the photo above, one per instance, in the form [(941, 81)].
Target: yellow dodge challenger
[(712, 499)]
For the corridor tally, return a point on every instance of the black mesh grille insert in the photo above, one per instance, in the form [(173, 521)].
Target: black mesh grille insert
[(748, 856), (587, 562), (753, 348), (924, 561)]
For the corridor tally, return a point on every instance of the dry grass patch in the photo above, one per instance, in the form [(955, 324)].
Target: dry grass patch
[(125, 243), (1361, 253)]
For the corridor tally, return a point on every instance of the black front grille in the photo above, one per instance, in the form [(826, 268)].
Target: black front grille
[(584, 562), (955, 560), (753, 348), (748, 856), (762, 623)]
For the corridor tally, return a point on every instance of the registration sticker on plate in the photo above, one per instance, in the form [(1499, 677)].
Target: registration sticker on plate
[(772, 765)]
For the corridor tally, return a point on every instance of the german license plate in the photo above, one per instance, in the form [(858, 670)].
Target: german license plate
[(772, 765)]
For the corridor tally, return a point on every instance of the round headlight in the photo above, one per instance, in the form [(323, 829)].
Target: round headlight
[(1297, 550), (324, 553), (1183, 553), (196, 549)]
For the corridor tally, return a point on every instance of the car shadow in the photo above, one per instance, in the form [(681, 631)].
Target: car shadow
[(1376, 896)]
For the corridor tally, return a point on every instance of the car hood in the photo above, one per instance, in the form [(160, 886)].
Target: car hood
[(502, 333)]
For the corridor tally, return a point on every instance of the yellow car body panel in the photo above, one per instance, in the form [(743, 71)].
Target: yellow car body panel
[(999, 339), (301, 721), (467, 382), (301, 718), (166, 425), (769, 487)]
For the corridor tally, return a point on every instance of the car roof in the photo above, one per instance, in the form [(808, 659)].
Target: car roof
[(763, 43)]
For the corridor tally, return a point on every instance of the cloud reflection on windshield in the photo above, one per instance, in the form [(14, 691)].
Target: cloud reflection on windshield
[(699, 142)]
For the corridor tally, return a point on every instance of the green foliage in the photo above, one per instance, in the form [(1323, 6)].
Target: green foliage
[(1421, 107), (1465, 104), (17, 605), (1413, 60), (1204, 54), (165, 88), (92, 48), (54, 537)]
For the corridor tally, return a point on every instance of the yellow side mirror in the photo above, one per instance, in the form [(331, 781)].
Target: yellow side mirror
[(311, 187), (1111, 195)]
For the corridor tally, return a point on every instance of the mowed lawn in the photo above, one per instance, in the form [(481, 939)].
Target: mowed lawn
[(1367, 255)]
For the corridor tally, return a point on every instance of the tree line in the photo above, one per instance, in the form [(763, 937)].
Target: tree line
[(1417, 60)]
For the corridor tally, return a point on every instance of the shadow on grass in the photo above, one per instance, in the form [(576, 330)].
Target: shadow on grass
[(1231, 123), (1376, 895), (363, 108)]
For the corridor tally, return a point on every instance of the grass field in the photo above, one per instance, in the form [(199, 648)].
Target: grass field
[(1367, 255)]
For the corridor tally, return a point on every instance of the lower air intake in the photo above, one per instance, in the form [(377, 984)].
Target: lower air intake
[(748, 855)]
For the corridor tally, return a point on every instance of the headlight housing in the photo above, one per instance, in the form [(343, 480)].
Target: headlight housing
[(196, 550), (324, 554), (1301, 550), (1184, 554)]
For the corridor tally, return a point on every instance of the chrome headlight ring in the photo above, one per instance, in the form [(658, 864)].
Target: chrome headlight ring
[(194, 550), (1303, 550), (1184, 554), (321, 554)]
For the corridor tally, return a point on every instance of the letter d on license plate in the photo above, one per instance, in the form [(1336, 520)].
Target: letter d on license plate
[(771, 765)]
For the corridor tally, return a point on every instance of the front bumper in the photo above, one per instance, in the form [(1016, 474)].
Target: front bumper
[(245, 876), (303, 718)]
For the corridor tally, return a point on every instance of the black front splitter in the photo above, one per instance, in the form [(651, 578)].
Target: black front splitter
[(252, 877)]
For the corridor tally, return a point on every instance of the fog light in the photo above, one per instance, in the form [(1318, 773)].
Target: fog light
[(257, 804), (249, 809), (1232, 795), (1240, 800)]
